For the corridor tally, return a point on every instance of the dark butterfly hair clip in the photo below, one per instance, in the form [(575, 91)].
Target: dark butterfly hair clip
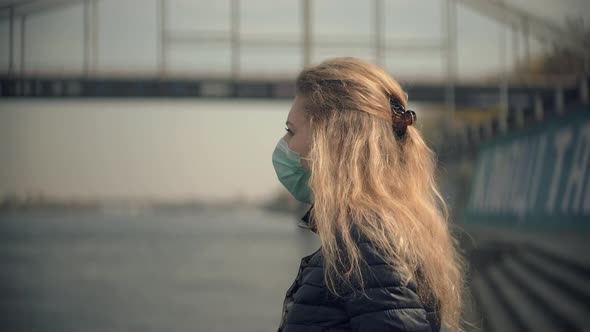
[(401, 118)]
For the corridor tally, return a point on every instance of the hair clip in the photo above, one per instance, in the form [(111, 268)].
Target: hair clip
[(401, 118)]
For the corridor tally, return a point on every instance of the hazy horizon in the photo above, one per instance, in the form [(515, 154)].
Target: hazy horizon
[(166, 149)]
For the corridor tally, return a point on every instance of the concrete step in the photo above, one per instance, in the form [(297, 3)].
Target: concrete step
[(495, 316), (555, 301), (530, 316), (570, 280)]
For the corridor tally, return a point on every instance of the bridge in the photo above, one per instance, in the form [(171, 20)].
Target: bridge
[(88, 82)]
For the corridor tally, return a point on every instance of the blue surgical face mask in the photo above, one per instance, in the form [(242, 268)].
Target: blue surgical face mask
[(291, 173)]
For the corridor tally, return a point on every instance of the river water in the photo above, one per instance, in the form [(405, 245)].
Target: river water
[(205, 270)]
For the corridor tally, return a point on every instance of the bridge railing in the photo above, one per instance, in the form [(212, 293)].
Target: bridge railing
[(527, 106)]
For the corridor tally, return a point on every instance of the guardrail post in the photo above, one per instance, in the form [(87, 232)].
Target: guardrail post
[(475, 133), (487, 128), (584, 90), (538, 107), (464, 137), (519, 113), (503, 123), (559, 103)]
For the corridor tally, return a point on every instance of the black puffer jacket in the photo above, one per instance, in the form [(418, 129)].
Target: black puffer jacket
[(310, 307)]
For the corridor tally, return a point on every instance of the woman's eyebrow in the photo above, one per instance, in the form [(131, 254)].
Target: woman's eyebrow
[(289, 123)]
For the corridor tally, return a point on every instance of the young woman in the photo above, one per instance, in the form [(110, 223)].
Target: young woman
[(387, 260)]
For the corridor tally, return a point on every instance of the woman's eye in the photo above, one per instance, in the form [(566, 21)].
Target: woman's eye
[(288, 130)]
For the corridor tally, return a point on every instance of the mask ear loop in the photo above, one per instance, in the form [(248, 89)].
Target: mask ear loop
[(308, 159)]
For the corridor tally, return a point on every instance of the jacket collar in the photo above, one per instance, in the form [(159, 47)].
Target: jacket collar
[(307, 221)]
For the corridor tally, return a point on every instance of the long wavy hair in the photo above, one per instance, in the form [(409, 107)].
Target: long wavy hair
[(363, 176)]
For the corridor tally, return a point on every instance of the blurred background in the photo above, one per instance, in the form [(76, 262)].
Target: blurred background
[(137, 190)]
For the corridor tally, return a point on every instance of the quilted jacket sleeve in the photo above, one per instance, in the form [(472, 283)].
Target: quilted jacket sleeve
[(390, 307)]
